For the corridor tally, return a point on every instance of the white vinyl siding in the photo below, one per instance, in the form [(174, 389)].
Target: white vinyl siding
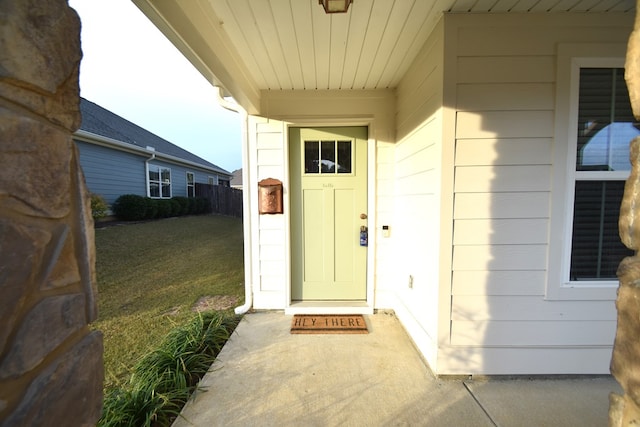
[(267, 148), (505, 101), (418, 197)]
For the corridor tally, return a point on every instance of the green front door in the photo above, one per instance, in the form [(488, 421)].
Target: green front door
[(328, 170)]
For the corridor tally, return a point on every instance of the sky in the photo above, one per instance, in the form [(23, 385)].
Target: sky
[(130, 68)]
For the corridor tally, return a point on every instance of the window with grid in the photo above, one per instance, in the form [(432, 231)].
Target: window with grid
[(159, 182), (191, 185), (605, 127)]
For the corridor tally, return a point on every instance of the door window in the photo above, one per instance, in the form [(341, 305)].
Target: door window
[(328, 157)]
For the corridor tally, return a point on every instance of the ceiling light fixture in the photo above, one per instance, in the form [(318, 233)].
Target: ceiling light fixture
[(335, 6)]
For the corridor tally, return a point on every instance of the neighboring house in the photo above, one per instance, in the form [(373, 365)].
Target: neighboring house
[(460, 131), (119, 157), (236, 180)]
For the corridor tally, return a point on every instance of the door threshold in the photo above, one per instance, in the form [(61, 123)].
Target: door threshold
[(328, 307)]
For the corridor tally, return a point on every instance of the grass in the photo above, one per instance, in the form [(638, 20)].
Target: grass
[(164, 378), (151, 274)]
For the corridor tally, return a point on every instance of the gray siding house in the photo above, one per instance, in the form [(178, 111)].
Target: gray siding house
[(119, 157)]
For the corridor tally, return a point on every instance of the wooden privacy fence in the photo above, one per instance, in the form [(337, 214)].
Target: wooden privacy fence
[(223, 200)]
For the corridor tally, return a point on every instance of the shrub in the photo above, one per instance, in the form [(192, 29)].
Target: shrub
[(152, 207), (176, 208), (130, 207), (141, 406), (99, 207), (163, 379), (184, 204), (164, 208)]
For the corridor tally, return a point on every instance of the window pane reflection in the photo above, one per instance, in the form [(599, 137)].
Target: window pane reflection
[(596, 248), (344, 157), (311, 156), (605, 121), (154, 189), (328, 157)]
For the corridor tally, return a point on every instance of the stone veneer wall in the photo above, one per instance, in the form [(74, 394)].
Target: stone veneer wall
[(625, 362), (51, 369)]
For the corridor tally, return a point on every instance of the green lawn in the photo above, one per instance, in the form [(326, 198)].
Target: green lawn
[(151, 274)]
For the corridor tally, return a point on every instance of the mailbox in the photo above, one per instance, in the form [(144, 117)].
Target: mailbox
[(270, 196)]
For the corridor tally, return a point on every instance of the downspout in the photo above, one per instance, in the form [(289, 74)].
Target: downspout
[(246, 201)]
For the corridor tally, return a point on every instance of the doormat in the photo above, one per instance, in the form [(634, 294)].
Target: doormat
[(328, 324)]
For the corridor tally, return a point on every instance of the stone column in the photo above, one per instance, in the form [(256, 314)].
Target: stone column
[(51, 369), (625, 363)]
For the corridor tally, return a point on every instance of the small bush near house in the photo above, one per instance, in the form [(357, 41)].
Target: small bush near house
[(184, 205), (131, 207), (152, 207), (164, 208), (99, 206), (176, 208), (164, 379)]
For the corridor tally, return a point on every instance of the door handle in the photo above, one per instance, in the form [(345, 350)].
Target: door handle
[(363, 216)]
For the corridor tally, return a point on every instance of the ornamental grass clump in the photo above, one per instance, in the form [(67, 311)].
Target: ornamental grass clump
[(163, 380)]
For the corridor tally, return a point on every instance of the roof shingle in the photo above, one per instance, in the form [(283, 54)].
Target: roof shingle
[(100, 121)]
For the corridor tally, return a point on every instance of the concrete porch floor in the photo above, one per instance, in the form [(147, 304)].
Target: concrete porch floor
[(264, 376)]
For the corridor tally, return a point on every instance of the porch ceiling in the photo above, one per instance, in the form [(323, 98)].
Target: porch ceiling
[(247, 46)]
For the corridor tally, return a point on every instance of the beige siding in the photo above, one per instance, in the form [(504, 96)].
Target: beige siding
[(512, 333), (504, 84), (417, 202), (501, 205), (270, 257), (505, 151)]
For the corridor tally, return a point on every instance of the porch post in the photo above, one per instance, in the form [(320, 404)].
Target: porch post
[(625, 362), (50, 362)]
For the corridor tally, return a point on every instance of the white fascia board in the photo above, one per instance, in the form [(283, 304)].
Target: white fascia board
[(104, 141), (196, 31)]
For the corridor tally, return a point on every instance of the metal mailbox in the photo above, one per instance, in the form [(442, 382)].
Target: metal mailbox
[(270, 196)]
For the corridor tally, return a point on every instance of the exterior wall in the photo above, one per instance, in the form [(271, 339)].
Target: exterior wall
[(270, 272), (179, 177), (416, 231), (464, 157), (504, 85), (268, 139), (111, 173)]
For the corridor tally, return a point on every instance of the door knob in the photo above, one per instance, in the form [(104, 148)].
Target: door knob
[(363, 216)]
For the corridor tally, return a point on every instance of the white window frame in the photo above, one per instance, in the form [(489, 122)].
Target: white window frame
[(159, 168), (212, 180), (572, 57), (193, 183)]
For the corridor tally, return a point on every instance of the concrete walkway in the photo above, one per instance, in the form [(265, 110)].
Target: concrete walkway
[(265, 376)]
